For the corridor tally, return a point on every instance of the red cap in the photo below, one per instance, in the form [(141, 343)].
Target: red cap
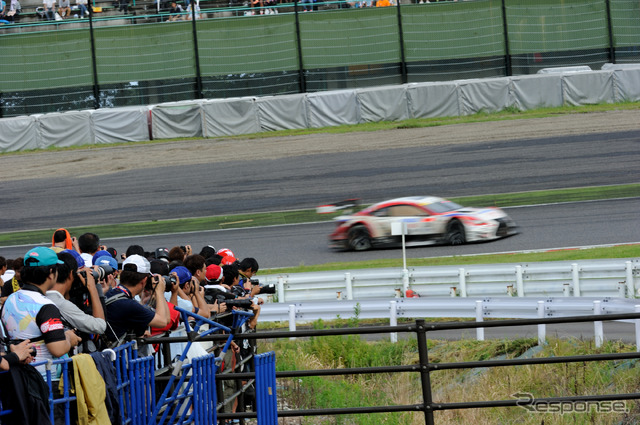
[(228, 259), (224, 252), (214, 272)]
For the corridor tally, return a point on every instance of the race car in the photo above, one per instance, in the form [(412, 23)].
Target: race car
[(428, 220)]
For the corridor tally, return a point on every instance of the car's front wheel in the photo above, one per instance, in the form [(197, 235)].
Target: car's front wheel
[(455, 233), (359, 238)]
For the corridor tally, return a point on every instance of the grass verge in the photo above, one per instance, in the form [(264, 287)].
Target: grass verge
[(452, 386)]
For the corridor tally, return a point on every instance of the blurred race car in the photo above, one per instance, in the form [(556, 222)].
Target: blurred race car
[(429, 220)]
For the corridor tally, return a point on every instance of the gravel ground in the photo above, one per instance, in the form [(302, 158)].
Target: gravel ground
[(113, 159)]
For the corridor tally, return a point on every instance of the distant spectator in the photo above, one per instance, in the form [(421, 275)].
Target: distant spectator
[(13, 15), (190, 14), (306, 8), (124, 6), (13, 285), (175, 12), (62, 239), (50, 9), (82, 5), (383, 3), (3, 9), (88, 244), (64, 10)]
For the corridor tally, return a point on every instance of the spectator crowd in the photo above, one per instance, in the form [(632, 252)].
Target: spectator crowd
[(79, 298)]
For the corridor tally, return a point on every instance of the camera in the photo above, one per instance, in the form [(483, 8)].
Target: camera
[(240, 303), (264, 289), (169, 282), (33, 351), (100, 273)]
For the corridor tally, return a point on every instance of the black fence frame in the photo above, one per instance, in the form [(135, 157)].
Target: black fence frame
[(425, 368)]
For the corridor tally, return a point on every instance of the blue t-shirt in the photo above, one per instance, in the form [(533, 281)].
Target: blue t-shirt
[(126, 314)]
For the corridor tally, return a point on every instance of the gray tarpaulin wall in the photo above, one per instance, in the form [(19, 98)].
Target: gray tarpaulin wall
[(236, 116)]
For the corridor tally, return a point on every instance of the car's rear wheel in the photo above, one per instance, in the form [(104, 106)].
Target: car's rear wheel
[(455, 233), (359, 238)]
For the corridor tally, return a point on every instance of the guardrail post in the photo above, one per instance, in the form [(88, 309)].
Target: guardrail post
[(542, 329), (519, 281), (349, 285), (631, 287), (479, 318), (597, 326), (425, 379), (292, 319), (566, 289), (575, 275), (637, 323), (281, 296), (462, 279), (393, 319), (622, 289), (405, 280)]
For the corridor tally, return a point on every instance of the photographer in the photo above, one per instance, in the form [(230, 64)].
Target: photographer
[(231, 277), (82, 281), (196, 265), (124, 313), (28, 314)]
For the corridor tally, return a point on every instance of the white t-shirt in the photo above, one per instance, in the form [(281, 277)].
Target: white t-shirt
[(49, 3)]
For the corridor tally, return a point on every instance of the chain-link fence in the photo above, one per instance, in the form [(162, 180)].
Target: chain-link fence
[(149, 59)]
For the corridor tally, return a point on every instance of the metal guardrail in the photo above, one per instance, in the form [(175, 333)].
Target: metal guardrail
[(591, 278)]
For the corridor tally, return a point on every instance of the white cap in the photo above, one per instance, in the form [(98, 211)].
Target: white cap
[(141, 263)]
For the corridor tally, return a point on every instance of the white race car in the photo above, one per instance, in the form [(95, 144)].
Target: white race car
[(428, 220)]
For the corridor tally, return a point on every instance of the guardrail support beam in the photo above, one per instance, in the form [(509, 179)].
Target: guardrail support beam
[(631, 287), (542, 329), (479, 318), (597, 326)]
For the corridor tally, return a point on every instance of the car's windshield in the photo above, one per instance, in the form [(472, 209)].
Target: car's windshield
[(443, 206)]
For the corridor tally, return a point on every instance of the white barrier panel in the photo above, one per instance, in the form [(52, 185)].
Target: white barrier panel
[(587, 88), (228, 117), (225, 117), (65, 129), (429, 100), (120, 125), (536, 91), (626, 84), (20, 133), (333, 108), (388, 103), (179, 119), (485, 95), (282, 112)]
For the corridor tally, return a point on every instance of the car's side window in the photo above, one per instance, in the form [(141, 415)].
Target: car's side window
[(382, 212), (407, 211)]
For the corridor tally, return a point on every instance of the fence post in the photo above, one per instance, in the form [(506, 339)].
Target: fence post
[(507, 52), (349, 285), (612, 50), (393, 319), (425, 379), (542, 329), (462, 279), (94, 66), (281, 296), (519, 281), (403, 60), (597, 326), (292, 319), (194, 29), (637, 324), (631, 287), (479, 318), (575, 277), (302, 79)]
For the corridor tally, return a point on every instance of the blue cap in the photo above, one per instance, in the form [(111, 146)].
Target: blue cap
[(98, 255), (183, 274), (41, 256), (106, 260), (76, 255)]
